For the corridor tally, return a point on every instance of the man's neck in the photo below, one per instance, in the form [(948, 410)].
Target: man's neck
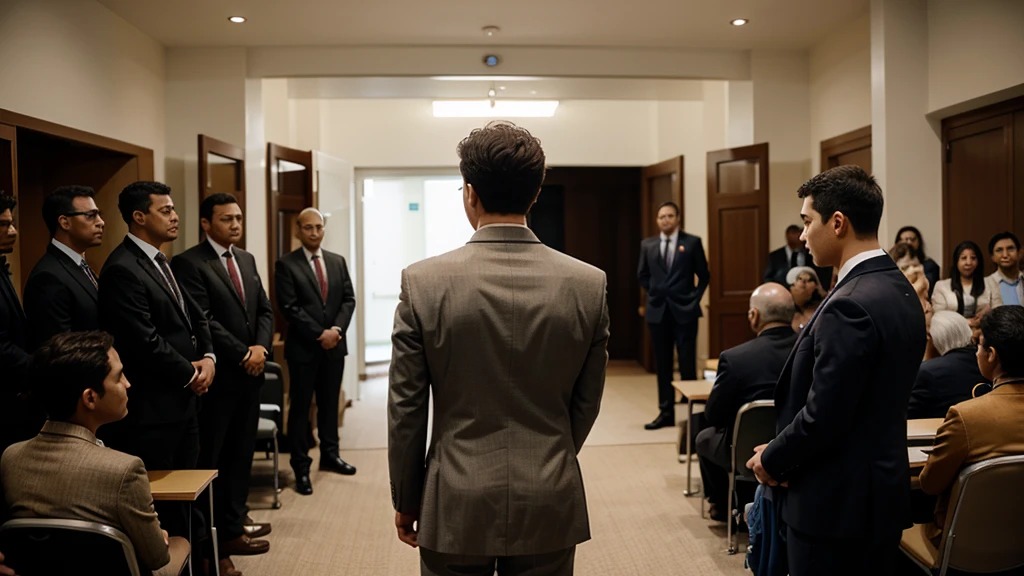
[(796, 248), (671, 232), (855, 247), (311, 249), (489, 219), (145, 236), (66, 240), (1011, 273), (772, 325)]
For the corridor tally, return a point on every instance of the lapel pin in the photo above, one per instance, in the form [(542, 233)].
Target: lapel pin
[(682, 248)]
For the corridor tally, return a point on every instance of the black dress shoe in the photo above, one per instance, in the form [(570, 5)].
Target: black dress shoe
[(336, 464), (662, 421), (303, 485)]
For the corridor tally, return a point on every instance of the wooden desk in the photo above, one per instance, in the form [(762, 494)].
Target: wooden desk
[(711, 364), (917, 457), (186, 486), (923, 429), (692, 391)]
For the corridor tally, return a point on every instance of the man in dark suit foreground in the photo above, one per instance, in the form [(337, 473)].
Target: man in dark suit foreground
[(842, 397), (223, 280), (746, 373), (669, 263), (62, 293), (164, 341), (14, 357), (315, 295)]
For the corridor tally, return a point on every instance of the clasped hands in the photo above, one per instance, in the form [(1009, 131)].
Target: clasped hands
[(255, 361), (329, 339), (762, 475), (205, 370)]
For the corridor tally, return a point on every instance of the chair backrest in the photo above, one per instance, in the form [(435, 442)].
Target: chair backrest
[(982, 532), (48, 546), (755, 425), (272, 391)]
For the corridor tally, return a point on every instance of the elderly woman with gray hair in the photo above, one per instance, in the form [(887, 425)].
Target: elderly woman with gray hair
[(807, 292), (950, 377)]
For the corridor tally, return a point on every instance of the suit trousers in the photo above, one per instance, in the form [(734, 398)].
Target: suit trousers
[(715, 454), (323, 378), (558, 563), (664, 336), (813, 556), (227, 438)]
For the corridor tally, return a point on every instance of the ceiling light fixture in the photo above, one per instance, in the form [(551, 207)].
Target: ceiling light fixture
[(487, 78), (237, 19), (491, 93), (501, 87), (494, 108), (491, 31), (739, 21)]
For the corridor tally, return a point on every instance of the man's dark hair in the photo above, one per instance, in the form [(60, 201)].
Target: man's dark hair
[(920, 240), (1003, 329), (850, 190), (60, 202), (505, 164), (902, 250), (7, 202), (1002, 236), (219, 199), (793, 229), (669, 203), (978, 280), (65, 366), (135, 196)]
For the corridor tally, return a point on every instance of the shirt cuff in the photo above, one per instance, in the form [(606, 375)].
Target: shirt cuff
[(338, 330), (211, 356)]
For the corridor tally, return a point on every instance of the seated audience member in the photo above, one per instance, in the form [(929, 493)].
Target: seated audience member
[(985, 427), (911, 235), (65, 472), (949, 378), (806, 292), (745, 373), (1007, 280), (906, 259), (964, 291)]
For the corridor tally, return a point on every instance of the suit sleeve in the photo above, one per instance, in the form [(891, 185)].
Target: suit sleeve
[(125, 314), (769, 271), (643, 273), (843, 336), (720, 409), (348, 302), (700, 267), (138, 519), (200, 324), (289, 305), (47, 307), (13, 358), (408, 401), (589, 386), (920, 395), (948, 454), (191, 281), (264, 315)]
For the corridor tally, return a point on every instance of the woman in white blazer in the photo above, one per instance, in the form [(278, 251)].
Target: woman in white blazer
[(965, 292)]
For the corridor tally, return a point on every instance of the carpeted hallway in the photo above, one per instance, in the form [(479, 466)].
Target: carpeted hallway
[(640, 521)]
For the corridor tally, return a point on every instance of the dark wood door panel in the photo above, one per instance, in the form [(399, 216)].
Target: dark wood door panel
[(222, 170), (739, 234), (734, 329)]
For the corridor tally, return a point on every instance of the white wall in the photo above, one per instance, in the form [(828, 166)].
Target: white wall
[(75, 63), (975, 49), (840, 85)]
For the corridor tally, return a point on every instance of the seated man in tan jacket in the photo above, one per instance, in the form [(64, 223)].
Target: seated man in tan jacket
[(985, 427), (65, 472)]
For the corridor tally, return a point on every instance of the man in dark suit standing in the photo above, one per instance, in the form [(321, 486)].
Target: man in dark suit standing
[(746, 373), (62, 293), (793, 255), (842, 397), (668, 264), (314, 293), (14, 356), (164, 341), (223, 280)]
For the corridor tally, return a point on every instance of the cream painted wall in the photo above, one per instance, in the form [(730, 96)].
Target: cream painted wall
[(840, 85), (975, 49)]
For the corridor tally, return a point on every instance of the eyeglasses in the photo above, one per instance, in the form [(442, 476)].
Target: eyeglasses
[(90, 215), (802, 280)]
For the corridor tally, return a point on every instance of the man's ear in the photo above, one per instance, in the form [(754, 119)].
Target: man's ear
[(89, 398), (139, 217), (471, 193), (205, 224), (64, 223)]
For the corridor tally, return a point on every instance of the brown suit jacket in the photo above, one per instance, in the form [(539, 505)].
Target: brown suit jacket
[(64, 472), (974, 430), (509, 336)]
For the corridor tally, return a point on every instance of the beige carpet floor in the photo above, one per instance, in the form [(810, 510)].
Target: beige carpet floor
[(640, 520)]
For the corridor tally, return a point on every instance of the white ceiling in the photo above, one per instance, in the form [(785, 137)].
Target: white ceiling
[(775, 24)]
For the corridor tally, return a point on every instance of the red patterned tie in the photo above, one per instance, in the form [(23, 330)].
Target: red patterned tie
[(235, 278), (320, 276)]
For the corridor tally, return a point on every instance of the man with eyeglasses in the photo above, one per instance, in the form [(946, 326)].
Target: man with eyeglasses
[(62, 293), (14, 356), (315, 295)]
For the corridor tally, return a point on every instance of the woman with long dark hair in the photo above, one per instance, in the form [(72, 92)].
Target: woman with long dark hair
[(911, 235), (964, 291)]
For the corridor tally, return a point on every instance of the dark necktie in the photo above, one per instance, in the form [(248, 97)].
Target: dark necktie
[(668, 253), (793, 259), (236, 280), (165, 270), (320, 276), (89, 273)]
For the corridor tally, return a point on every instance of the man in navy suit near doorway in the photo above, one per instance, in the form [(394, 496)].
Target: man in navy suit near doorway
[(669, 263), (840, 453)]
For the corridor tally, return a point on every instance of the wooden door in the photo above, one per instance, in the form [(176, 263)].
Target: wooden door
[(9, 187), (846, 149), (221, 170), (659, 183), (738, 230), (289, 191)]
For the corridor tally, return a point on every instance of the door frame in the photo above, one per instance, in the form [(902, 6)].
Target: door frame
[(844, 144), (209, 145)]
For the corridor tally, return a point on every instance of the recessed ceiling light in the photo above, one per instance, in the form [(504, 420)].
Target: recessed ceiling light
[(491, 31), (739, 22), (237, 19), (491, 92)]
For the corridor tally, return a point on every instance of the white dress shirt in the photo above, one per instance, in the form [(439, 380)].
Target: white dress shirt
[(801, 257), (863, 256), (220, 250), (77, 258), (673, 246)]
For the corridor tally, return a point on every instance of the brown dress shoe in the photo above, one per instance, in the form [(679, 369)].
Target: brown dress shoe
[(257, 530), (244, 546), (227, 568)]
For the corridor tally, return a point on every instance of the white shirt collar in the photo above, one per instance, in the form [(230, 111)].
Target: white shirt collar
[(220, 250), (853, 262), (150, 250), (674, 236), (1004, 278), (75, 257), (309, 255)]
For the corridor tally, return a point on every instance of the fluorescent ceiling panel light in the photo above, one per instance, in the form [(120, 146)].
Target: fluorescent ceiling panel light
[(500, 109), (487, 78)]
